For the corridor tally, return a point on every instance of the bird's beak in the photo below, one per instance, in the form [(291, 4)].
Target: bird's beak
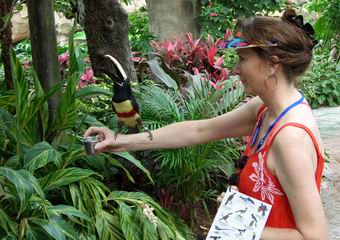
[(119, 67)]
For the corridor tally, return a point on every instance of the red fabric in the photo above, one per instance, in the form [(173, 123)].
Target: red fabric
[(257, 181)]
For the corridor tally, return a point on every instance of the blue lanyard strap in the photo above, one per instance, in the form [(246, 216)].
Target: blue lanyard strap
[(271, 126)]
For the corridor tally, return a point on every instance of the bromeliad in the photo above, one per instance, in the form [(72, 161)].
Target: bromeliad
[(124, 103)]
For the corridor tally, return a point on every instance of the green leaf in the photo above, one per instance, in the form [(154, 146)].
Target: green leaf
[(93, 90), (39, 155), (129, 226), (116, 163), (23, 187), (161, 75), (75, 65), (321, 99), (108, 226), (7, 224), (64, 177), (137, 163), (34, 183), (67, 210), (56, 227)]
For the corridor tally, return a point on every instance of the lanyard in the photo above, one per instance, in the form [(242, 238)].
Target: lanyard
[(271, 126)]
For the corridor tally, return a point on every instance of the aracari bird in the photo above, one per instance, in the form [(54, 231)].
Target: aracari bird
[(124, 103)]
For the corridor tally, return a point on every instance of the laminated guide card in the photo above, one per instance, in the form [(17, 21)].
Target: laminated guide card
[(239, 217)]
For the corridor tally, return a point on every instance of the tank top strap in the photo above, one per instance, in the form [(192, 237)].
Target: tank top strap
[(261, 111), (298, 125)]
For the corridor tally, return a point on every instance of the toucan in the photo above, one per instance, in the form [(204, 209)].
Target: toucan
[(124, 103)]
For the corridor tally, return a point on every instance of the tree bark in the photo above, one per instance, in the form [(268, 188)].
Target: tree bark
[(170, 17), (44, 48), (106, 26), (6, 41)]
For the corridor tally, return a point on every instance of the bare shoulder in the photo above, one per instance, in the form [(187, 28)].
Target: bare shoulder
[(293, 145), (254, 105)]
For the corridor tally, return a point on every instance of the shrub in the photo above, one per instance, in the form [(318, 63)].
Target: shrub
[(321, 82), (139, 35), (187, 176), (194, 56)]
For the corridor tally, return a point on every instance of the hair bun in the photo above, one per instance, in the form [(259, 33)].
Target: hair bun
[(288, 15)]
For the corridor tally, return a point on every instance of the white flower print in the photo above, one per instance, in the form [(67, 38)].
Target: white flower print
[(262, 181)]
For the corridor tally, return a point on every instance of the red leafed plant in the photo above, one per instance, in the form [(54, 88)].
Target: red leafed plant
[(195, 56)]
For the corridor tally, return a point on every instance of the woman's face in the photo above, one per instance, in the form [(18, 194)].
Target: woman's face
[(251, 69)]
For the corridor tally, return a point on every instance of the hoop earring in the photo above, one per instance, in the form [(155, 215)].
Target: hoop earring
[(270, 78)]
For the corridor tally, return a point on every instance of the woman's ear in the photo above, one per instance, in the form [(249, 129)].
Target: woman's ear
[(274, 64)]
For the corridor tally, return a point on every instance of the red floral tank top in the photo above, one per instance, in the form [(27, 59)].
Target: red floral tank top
[(257, 181)]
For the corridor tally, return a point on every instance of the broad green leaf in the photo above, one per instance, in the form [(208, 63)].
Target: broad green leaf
[(161, 75), (93, 90), (39, 155), (20, 88), (149, 230), (79, 36), (130, 227), (116, 163), (92, 121), (67, 210), (64, 177), (108, 226), (137, 163), (23, 187), (56, 227), (7, 224), (34, 183), (75, 65)]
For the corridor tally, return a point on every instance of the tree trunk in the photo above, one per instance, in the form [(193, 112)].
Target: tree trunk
[(6, 40), (44, 48), (168, 17), (106, 26)]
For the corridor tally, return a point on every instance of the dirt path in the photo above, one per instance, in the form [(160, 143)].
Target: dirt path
[(329, 124)]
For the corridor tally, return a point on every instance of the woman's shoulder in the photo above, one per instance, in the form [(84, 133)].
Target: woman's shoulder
[(299, 129), (255, 104)]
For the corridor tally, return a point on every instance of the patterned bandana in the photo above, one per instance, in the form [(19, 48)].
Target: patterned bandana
[(238, 42)]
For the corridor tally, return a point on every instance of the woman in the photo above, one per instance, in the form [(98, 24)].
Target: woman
[(285, 152)]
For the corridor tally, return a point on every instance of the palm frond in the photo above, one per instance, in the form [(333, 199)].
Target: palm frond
[(158, 104)]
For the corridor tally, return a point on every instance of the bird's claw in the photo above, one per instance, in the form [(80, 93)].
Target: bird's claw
[(149, 132)]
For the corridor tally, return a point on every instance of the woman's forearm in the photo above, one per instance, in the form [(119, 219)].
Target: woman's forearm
[(292, 234), (281, 234), (175, 135)]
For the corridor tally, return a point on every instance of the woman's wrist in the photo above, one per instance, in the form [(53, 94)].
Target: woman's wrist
[(134, 142)]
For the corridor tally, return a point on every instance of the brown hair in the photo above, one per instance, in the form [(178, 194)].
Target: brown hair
[(294, 46)]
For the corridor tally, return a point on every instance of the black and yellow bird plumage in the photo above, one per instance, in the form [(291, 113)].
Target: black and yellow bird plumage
[(124, 103)]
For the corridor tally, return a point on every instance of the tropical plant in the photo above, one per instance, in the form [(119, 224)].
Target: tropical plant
[(197, 57), (327, 24), (186, 175), (218, 15), (321, 82), (50, 190), (139, 34)]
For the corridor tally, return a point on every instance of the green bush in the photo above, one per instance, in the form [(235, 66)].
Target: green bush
[(321, 82), (139, 35), (218, 15), (190, 175), (50, 190)]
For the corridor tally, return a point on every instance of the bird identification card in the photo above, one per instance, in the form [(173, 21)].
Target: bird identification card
[(239, 217)]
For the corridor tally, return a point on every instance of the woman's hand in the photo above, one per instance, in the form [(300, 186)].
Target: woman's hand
[(107, 141)]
